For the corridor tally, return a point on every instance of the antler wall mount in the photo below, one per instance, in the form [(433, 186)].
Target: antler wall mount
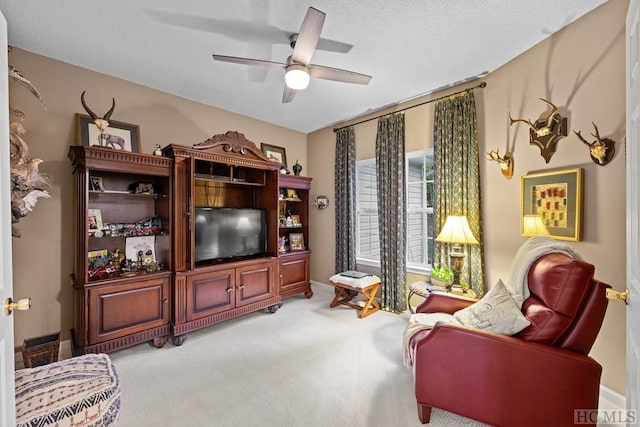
[(547, 131), (506, 162), (101, 122), (601, 150)]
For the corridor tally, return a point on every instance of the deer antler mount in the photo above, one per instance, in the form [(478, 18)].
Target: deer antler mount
[(547, 131), (601, 150), (506, 162)]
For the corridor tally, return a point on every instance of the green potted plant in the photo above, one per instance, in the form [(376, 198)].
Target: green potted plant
[(441, 276)]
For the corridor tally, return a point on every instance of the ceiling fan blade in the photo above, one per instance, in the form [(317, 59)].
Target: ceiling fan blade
[(333, 46), (288, 94), (336, 74), (248, 61), (255, 31), (308, 36)]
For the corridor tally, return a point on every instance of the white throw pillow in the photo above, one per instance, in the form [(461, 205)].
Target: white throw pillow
[(496, 312)]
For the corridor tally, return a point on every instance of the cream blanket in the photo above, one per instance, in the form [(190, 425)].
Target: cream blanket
[(528, 253), (419, 322)]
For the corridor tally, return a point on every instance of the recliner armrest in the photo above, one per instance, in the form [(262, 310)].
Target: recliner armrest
[(439, 302)]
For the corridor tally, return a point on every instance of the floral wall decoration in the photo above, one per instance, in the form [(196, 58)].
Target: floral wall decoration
[(27, 183)]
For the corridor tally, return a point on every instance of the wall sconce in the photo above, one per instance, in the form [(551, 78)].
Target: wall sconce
[(456, 230), (506, 162), (532, 225), (321, 202)]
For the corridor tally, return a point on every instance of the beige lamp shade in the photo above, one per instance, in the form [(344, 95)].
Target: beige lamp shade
[(456, 230), (532, 226)]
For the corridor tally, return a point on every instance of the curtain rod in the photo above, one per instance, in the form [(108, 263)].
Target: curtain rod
[(481, 85)]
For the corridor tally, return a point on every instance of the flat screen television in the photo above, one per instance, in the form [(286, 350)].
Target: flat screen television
[(223, 234)]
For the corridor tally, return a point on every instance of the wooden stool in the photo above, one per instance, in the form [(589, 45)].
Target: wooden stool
[(368, 287)]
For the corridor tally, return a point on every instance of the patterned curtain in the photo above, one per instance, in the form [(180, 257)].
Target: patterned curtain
[(457, 180), (391, 210), (345, 203)]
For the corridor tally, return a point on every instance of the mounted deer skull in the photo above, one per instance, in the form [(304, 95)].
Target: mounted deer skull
[(601, 150), (546, 132), (506, 162), (101, 123)]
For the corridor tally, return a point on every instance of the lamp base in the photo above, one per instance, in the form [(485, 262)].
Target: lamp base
[(456, 260)]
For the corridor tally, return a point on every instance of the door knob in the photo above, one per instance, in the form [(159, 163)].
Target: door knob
[(10, 305), (616, 295)]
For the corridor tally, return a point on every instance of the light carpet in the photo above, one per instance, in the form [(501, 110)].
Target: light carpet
[(305, 365)]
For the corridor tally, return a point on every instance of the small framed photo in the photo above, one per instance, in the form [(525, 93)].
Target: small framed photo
[(94, 221), (555, 197), (296, 241), (274, 153), (96, 183), (118, 135), (295, 220)]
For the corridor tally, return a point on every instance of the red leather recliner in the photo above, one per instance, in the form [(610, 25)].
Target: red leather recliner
[(538, 377)]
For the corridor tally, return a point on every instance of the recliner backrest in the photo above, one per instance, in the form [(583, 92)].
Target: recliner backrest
[(559, 286)]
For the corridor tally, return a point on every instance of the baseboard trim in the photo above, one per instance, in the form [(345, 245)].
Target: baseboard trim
[(64, 352), (616, 399)]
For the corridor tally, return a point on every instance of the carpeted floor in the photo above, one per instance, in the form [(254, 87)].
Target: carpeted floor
[(306, 365)]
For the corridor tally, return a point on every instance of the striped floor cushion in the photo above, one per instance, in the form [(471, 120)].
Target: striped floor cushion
[(81, 391)]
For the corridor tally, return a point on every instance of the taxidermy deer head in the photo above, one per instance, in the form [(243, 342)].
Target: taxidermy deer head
[(546, 132), (506, 162), (601, 150), (102, 122)]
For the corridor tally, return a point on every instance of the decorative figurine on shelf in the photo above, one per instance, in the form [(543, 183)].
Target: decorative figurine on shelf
[(284, 170), (158, 150), (297, 168), (282, 241)]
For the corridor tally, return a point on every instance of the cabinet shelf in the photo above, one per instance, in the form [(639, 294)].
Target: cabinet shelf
[(203, 180), (106, 277), (108, 237), (118, 193)]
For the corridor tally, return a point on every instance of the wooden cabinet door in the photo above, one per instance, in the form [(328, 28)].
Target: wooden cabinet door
[(210, 293), (129, 308), (294, 272), (254, 282)]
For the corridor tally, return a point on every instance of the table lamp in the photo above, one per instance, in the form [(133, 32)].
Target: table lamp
[(532, 225), (456, 230)]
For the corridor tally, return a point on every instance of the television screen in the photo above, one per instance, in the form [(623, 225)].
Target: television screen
[(225, 233)]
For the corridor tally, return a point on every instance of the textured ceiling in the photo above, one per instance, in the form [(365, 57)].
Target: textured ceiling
[(410, 47)]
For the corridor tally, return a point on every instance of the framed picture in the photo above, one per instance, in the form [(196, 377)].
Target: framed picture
[(556, 197), (296, 241), (274, 153), (96, 183), (295, 220), (94, 220), (118, 135), (292, 193)]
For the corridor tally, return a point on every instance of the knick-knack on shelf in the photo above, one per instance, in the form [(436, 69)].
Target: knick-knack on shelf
[(297, 168), (158, 150)]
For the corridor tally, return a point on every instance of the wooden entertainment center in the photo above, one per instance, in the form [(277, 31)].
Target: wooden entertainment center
[(123, 299)]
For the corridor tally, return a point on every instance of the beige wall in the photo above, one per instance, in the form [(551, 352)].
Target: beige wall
[(43, 256), (580, 69)]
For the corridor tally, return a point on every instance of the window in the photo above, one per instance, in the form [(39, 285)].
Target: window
[(420, 220)]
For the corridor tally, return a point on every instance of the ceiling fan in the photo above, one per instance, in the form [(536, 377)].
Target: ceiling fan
[(298, 67)]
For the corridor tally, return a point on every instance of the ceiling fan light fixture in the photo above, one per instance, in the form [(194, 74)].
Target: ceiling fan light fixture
[(297, 76)]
